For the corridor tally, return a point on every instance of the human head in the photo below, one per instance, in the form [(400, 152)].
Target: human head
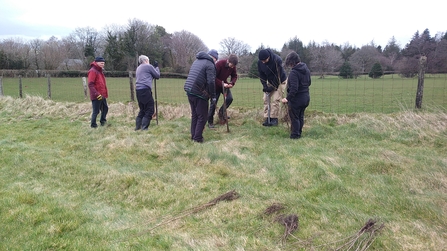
[(100, 61), (292, 59), (264, 56), (213, 53), (143, 59), (232, 60)]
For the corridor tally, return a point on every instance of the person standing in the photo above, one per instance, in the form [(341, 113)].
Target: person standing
[(145, 73), (273, 79), (224, 69), (200, 88), (98, 91), (298, 96)]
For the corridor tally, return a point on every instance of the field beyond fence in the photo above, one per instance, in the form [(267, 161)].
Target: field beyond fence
[(388, 94)]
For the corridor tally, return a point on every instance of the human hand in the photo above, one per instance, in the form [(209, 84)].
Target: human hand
[(99, 97), (284, 100), (268, 89), (155, 64)]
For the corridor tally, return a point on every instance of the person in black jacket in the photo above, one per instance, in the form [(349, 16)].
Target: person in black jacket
[(298, 96), (273, 79), (199, 88)]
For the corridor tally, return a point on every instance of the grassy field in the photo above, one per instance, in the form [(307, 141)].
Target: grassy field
[(331, 94), (65, 186)]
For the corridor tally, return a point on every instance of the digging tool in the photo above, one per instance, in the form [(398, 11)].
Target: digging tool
[(268, 108), (156, 105), (225, 115)]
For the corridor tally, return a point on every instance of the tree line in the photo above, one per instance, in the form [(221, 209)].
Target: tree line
[(121, 46)]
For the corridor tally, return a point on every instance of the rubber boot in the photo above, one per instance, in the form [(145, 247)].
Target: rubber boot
[(273, 122), (137, 124), (145, 123), (266, 122)]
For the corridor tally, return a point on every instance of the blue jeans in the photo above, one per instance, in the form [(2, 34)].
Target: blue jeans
[(99, 106)]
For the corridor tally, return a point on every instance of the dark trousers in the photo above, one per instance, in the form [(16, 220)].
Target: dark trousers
[(99, 106), (212, 109), (146, 105), (296, 108), (199, 112)]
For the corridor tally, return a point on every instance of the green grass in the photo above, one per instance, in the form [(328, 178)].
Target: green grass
[(331, 94), (65, 186)]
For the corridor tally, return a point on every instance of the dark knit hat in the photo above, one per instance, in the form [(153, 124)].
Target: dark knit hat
[(263, 54), (214, 54), (99, 59)]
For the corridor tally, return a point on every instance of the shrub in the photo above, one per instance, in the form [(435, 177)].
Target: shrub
[(376, 71)]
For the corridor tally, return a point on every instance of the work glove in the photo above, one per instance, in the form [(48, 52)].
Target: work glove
[(155, 64), (99, 97), (268, 89)]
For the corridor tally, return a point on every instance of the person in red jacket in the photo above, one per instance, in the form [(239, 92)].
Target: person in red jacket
[(224, 68), (98, 91)]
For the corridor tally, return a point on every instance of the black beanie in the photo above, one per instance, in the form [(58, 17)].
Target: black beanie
[(99, 59), (263, 54)]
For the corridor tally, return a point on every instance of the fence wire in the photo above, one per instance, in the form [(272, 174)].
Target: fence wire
[(331, 94)]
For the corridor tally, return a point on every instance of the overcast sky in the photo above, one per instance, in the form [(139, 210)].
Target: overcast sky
[(256, 23)]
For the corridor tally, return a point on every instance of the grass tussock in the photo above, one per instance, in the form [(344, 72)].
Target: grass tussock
[(64, 185)]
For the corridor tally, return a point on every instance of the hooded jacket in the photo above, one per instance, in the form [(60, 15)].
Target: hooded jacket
[(298, 81), (272, 71), (201, 77), (96, 82)]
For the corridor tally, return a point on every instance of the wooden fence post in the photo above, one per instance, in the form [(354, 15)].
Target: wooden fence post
[(84, 84), (49, 85), (132, 91), (1, 86), (20, 86), (420, 90)]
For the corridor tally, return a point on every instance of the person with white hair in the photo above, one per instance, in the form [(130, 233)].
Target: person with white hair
[(145, 73)]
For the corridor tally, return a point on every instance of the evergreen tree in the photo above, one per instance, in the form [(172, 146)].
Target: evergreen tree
[(376, 71), (346, 71)]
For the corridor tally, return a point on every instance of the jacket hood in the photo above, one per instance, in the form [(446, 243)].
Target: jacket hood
[(204, 55), (94, 64), (301, 68)]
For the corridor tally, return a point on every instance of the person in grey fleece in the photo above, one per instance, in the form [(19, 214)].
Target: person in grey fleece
[(145, 73)]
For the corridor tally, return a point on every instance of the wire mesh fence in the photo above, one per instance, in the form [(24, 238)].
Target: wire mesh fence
[(388, 94)]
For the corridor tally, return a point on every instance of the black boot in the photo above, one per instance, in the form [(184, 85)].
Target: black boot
[(273, 122), (267, 123), (137, 124), (145, 123)]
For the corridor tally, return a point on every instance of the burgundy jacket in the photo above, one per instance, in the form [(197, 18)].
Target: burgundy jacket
[(223, 71), (96, 82)]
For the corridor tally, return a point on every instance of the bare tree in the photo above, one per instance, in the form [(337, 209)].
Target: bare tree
[(391, 53), (36, 46), (233, 46), (52, 55), (363, 59), (83, 44), (325, 59), (17, 53), (184, 47)]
